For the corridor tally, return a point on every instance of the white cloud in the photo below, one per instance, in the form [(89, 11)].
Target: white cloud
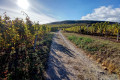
[(104, 13), (42, 18)]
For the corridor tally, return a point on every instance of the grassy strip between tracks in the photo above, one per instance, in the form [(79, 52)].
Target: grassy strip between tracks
[(105, 52)]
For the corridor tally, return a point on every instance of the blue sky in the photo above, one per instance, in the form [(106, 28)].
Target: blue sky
[(75, 9), (46, 11)]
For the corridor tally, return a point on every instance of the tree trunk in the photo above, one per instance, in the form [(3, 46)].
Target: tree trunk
[(35, 42), (16, 61), (118, 36)]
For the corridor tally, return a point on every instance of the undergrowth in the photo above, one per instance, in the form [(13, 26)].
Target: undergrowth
[(30, 64)]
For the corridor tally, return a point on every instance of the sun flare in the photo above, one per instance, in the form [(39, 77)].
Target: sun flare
[(24, 4)]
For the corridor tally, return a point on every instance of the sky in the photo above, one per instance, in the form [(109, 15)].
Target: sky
[(46, 11)]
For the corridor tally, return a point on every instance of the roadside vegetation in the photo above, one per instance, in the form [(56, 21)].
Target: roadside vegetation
[(110, 31), (105, 52), (24, 48)]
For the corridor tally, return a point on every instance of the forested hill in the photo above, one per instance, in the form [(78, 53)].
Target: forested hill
[(78, 21)]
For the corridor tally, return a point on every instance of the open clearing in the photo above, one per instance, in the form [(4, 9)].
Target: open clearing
[(67, 62)]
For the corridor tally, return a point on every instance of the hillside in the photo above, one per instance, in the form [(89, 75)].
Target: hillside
[(78, 22)]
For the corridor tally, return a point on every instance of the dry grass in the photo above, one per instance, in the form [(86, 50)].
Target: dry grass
[(99, 60), (103, 51)]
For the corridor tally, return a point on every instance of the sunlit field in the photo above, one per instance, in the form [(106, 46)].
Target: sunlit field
[(59, 40)]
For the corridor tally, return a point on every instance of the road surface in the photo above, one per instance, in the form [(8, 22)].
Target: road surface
[(67, 62)]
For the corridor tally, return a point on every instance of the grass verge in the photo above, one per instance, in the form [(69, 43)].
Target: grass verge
[(103, 51)]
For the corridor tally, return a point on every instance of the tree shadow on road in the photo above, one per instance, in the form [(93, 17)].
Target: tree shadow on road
[(56, 69), (63, 49)]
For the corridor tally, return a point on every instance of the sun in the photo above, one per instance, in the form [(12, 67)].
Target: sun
[(24, 4)]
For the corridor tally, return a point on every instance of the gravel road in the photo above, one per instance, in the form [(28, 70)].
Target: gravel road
[(67, 62)]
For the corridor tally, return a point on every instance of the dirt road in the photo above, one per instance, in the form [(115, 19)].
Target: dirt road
[(67, 62)]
